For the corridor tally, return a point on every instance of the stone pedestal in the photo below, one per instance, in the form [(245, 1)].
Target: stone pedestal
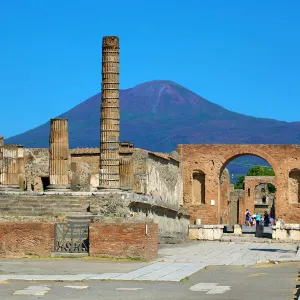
[(59, 156), (9, 168), (109, 176), (206, 232)]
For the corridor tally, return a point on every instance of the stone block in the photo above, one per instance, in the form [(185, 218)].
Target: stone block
[(237, 229)]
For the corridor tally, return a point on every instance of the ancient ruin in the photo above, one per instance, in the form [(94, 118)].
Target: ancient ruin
[(109, 176), (59, 155), (117, 182)]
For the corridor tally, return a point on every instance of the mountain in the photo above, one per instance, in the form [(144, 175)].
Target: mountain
[(160, 114)]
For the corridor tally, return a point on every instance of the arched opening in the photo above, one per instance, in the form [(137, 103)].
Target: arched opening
[(198, 187), (264, 199), (294, 186), (245, 173)]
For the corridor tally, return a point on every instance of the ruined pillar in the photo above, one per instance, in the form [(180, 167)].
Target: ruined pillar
[(9, 170), (109, 177), (125, 152), (59, 156), (21, 167)]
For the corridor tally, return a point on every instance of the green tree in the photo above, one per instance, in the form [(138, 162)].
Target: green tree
[(256, 171), (239, 184)]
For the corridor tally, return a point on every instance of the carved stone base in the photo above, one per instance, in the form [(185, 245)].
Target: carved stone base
[(58, 188)]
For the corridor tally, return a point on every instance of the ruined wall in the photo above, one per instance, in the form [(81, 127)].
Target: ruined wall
[(225, 188), (19, 239), (84, 169), (157, 175), (250, 186), (36, 167), (212, 159), (135, 240), (236, 207)]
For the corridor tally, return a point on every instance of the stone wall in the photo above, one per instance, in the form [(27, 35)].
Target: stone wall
[(104, 206), (26, 239), (155, 174), (135, 240), (36, 168), (225, 188), (237, 207), (212, 159)]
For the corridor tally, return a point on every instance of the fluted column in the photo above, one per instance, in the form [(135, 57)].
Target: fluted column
[(9, 169), (59, 155), (109, 177), (21, 167)]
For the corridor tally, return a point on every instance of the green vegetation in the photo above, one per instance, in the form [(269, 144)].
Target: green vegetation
[(256, 171)]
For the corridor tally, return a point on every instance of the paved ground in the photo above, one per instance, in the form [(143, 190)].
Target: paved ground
[(216, 253), (223, 270), (276, 282)]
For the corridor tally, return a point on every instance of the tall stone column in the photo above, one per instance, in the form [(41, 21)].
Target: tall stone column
[(109, 177), (59, 156), (9, 169)]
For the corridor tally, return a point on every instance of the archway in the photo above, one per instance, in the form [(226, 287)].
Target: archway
[(237, 193)]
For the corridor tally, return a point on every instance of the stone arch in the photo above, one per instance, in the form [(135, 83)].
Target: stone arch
[(230, 157), (252, 152)]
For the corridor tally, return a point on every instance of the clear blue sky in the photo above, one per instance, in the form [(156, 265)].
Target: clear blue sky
[(242, 55)]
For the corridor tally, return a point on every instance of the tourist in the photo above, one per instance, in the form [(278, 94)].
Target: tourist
[(257, 219), (266, 219), (253, 219), (272, 221), (247, 217)]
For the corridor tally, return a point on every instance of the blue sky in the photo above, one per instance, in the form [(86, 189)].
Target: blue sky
[(242, 55)]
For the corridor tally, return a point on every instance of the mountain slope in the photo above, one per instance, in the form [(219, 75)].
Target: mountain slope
[(158, 115)]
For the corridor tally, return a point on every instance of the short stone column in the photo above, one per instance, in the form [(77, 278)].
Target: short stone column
[(9, 168), (59, 156)]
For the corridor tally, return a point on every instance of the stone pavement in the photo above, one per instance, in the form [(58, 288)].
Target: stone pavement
[(271, 281), (175, 263)]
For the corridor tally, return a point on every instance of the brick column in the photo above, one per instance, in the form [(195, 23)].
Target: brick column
[(109, 177), (59, 156), (9, 170)]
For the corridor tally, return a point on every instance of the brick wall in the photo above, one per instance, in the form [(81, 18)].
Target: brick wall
[(19, 239), (124, 240), (212, 159)]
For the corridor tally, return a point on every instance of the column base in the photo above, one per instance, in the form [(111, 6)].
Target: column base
[(58, 188), (10, 187)]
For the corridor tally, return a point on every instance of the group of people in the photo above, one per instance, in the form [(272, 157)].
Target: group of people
[(256, 219)]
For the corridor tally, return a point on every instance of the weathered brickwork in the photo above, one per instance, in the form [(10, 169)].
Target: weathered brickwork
[(25, 239), (251, 182), (212, 159), (135, 240), (225, 188)]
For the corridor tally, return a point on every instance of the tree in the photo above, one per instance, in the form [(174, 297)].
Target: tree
[(256, 171), (239, 184)]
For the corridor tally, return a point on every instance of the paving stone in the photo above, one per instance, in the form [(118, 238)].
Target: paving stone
[(39, 290), (77, 287)]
